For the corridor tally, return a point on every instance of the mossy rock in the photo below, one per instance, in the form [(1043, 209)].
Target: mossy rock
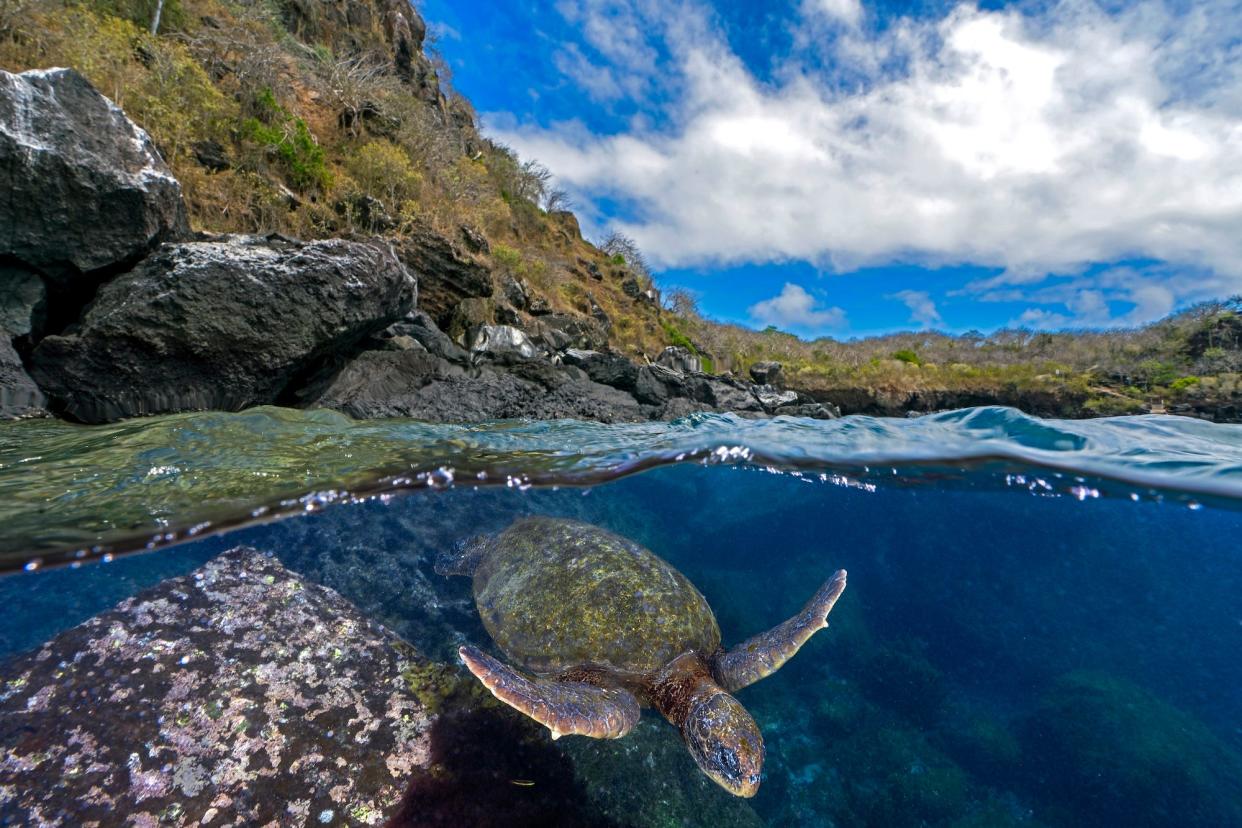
[(1107, 752)]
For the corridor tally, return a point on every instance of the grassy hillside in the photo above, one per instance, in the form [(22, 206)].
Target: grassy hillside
[(1190, 362), (320, 119)]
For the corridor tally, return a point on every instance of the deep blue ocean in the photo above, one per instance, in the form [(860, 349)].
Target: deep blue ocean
[(1043, 624)]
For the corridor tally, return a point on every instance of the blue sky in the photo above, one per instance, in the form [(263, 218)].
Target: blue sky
[(844, 167)]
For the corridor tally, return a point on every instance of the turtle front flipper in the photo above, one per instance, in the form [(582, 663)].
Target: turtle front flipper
[(564, 707), (762, 655)]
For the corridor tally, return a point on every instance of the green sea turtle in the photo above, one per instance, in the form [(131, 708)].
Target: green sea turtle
[(599, 626)]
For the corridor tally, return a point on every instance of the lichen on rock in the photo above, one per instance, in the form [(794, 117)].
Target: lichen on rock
[(237, 695)]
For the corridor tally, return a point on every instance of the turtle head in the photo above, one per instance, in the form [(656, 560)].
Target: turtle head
[(725, 742)]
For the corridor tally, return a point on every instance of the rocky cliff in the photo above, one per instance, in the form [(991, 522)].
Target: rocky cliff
[(120, 312)]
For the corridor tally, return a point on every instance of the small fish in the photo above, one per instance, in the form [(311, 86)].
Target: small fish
[(524, 783)]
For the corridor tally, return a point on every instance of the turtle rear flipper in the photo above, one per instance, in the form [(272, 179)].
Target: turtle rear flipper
[(762, 655), (564, 707)]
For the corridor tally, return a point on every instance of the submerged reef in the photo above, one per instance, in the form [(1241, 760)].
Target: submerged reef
[(237, 695), (1099, 745)]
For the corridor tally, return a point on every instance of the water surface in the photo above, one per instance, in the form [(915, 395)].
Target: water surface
[(1042, 625)]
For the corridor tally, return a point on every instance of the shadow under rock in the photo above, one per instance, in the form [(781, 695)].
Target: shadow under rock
[(489, 768)]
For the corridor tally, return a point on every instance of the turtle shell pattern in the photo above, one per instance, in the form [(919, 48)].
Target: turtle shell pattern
[(557, 594)]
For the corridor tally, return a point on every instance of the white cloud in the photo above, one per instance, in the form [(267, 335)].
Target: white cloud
[(923, 310), (1086, 301), (794, 307), (600, 82), (847, 11), (1036, 143)]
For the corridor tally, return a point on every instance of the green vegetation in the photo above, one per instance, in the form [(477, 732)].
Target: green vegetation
[(907, 356), (290, 141)]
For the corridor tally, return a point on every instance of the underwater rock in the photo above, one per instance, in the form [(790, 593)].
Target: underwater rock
[(237, 695), (1100, 745), (220, 324), (84, 187), (648, 779)]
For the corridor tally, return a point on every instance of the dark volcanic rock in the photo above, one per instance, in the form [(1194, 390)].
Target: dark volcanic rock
[(773, 399), (656, 385), (446, 274), (220, 324), (23, 299), (212, 155), (503, 340), (728, 396), (84, 188), (237, 695), (419, 385), (767, 373), (422, 328), (606, 367), (19, 396), (567, 330), (814, 411), (1063, 402), (679, 359)]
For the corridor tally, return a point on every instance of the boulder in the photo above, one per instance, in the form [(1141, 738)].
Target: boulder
[(656, 385), (812, 410), (422, 328), (239, 694), (727, 396), (446, 274), (212, 155), (467, 316), (222, 324), (23, 300), (767, 373), (631, 287), (378, 383), (773, 399), (517, 293), (475, 241), (678, 407), (598, 313), (84, 187), (606, 368), (680, 359), (573, 331), (19, 396), (503, 340)]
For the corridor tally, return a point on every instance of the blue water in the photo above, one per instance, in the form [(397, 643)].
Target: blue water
[(1042, 626)]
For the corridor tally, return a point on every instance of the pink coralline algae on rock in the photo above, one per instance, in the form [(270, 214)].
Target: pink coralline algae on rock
[(237, 695)]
